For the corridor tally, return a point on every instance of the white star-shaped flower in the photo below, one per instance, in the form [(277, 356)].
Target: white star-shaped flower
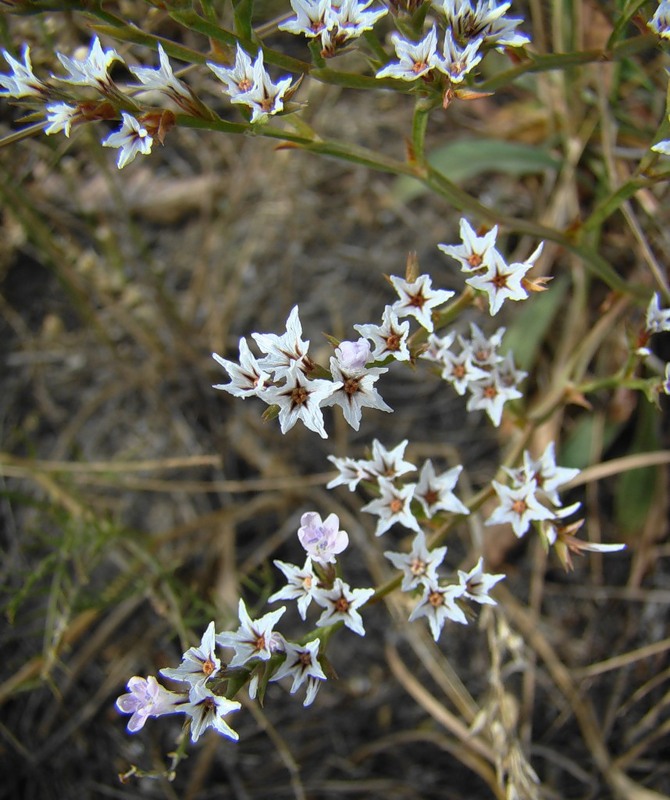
[(283, 352), (483, 350), (389, 338), (60, 117), (459, 371), (547, 475), (500, 282), (302, 665), (131, 138), (162, 78), (247, 379), (434, 492), (457, 61), (265, 97), (490, 395), (519, 506), (91, 70), (341, 603), (658, 319), (419, 566), (22, 81), (254, 638), (418, 298), (301, 585), (660, 22), (437, 346), (351, 20), (477, 584), (414, 58), (356, 391), (438, 603), (388, 463), (393, 505), (312, 17), (350, 472), (473, 253), (198, 663), (300, 399), (239, 78), (208, 710)]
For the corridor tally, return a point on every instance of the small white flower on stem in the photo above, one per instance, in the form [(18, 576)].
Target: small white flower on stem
[(285, 351), (459, 370), (457, 61), (389, 338), (302, 665), (500, 282), (434, 492), (660, 22), (147, 698), (506, 372), (388, 463), (663, 146), (438, 604), (208, 710), (437, 346), (322, 539), (91, 70), (665, 386), (60, 117), (131, 138), (415, 59), (356, 391), (351, 472), (198, 663), (300, 399), (162, 78), (519, 506), (393, 505), (658, 319), (419, 566), (473, 253), (239, 78), (547, 475), (312, 18), (247, 379), (483, 350), (301, 585), (265, 97), (352, 19), (341, 604), (22, 81), (254, 638), (418, 298), (477, 584), (485, 19), (490, 395)]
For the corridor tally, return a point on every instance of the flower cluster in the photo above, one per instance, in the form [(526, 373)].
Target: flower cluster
[(281, 378), (489, 273), (334, 23), (473, 364), (468, 32), (533, 497), (248, 83)]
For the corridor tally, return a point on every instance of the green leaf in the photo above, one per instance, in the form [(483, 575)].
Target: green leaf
[(577, 450), (636, 489), (459, 161), (243, 10)]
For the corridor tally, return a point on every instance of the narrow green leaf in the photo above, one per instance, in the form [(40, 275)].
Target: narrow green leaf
[(465, 159)]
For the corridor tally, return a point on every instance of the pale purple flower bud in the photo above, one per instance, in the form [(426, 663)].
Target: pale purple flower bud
[(147, 698), (322, 540), (353, 355)]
